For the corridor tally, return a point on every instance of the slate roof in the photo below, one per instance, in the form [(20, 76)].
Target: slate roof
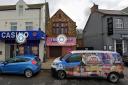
[(13, 7), (112, 12)]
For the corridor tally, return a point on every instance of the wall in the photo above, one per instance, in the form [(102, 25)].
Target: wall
[(92, 34), (2, 48)]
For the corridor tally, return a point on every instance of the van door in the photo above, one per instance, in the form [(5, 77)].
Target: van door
[(90, 66), (72, 66)]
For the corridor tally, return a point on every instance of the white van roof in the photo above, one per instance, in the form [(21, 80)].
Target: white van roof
[(91, 51)]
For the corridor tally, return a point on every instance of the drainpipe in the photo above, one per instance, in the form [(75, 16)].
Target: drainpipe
[(102, 34), (39, 18)]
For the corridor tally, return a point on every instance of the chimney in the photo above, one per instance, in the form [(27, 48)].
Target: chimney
[(94, 8)]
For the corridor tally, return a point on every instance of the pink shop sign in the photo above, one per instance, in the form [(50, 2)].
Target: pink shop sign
[(52, 41)]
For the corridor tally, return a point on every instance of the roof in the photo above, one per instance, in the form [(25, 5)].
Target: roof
[(13, 7), (60, 11), (92, 51), (112, 12)]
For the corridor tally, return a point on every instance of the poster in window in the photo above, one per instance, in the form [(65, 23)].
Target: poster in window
[(21, 50), (35, 50)]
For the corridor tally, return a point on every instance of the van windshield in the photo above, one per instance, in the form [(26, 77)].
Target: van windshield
[(65, 57)]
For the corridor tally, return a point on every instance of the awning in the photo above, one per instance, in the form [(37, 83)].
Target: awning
[(30, 35)]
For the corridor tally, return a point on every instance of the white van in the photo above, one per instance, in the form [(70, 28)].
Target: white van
[(84, 63)]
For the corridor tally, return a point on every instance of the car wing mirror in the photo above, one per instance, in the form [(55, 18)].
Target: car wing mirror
[(5, 63)]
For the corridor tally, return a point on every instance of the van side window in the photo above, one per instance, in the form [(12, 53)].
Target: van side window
[(106, 58), (74, 58), (117, 58)]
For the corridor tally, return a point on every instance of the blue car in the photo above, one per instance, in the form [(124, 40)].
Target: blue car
[(27, 65)]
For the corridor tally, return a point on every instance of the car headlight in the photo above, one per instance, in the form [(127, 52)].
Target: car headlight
[(58, 65)]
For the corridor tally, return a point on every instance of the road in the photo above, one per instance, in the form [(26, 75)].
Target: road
[(44, 78)]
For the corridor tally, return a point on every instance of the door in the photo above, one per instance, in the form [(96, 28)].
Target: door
[(119, 47), (55, 51), (73, 65), (10, 66), (15, 65)]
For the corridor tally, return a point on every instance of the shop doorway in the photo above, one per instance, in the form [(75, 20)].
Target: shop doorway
[(55, 51), (119, 47)]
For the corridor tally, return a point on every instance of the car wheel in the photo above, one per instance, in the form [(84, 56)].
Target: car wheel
[(28, 73), (61, 74), (113, 77)]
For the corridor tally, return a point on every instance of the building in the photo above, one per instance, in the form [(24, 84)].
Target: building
[(61, 35), (79, 39), (22, 28), (107, 30)]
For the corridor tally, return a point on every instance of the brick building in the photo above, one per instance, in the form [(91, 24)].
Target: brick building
[(63, 27)]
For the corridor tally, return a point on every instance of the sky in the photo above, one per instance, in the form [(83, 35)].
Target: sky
[(77, 10)]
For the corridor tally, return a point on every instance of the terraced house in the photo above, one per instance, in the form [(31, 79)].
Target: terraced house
[(61, 35), (22, 28), (107, 30)]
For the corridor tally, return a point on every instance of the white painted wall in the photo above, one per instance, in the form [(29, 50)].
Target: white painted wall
[(41, 50), (30, 15), (2, 48), (6, 17)]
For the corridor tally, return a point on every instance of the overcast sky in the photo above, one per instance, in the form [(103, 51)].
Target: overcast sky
[(78, 10)]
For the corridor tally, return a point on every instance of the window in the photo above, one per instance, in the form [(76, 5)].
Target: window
[(29, 26), (13, 26), (118, 23), (20, 10), (74, 58), (60, 28)]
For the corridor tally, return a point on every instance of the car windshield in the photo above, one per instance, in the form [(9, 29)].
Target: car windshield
[(65, 57)]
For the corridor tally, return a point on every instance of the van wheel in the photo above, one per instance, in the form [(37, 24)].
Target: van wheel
[(28, 73), (113, 77), (61, 74)]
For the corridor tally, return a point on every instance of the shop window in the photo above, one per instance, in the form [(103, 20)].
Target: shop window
[(29, 26), (35, 50), (21, 50), (13, 26)]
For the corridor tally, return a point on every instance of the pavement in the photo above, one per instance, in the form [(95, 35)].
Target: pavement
[(47, 65)]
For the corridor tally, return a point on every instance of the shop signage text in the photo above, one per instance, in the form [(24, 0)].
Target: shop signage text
[(52, 41), (12, 35)]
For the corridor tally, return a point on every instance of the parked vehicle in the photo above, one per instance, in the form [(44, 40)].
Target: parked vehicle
[(104, 64), (125, 58), (27, 65)]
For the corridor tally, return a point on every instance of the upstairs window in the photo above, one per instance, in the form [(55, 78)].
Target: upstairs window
[(13, 26), (118, 23), (29, 26), (60, 28)]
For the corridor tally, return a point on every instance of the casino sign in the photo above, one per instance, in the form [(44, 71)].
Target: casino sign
[(21, 36)]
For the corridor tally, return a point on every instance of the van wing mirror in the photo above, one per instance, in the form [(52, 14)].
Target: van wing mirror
[(82, 63)]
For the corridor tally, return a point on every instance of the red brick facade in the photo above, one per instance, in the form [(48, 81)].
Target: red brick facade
[(60, 23)]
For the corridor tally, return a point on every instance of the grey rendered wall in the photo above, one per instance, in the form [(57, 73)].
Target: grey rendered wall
[(93, 35), (117, 32)]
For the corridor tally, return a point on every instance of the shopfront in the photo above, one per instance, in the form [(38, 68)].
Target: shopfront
[(121, 43), (57, 49), (22, 43)]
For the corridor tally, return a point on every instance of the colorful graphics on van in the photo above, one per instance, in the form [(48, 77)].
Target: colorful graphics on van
[(96, 64)]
